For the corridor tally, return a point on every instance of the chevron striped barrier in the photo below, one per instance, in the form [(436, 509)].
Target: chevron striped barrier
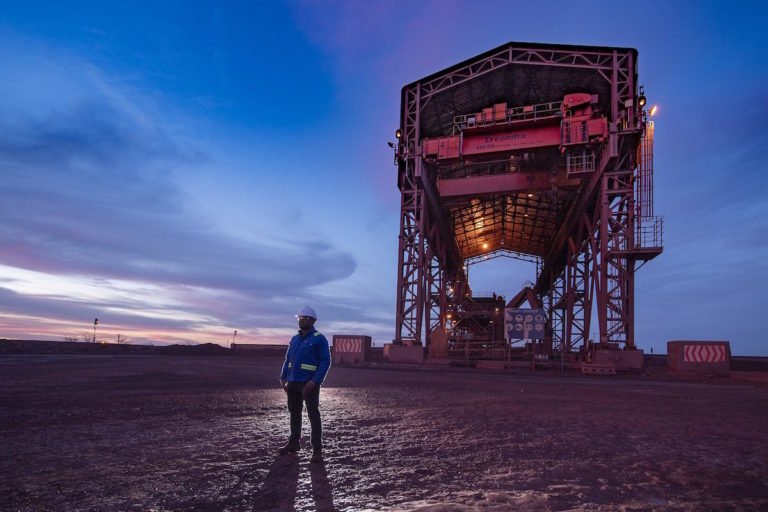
[(348, 348), (700, 357), (348, 345), (704, 353)]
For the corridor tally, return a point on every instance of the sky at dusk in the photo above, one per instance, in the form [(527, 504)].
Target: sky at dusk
[(181, 170)]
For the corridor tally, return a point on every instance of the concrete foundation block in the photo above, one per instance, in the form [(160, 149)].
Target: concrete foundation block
[(406, 354)]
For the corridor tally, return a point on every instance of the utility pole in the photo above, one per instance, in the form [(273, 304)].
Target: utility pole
[(234, 335), (95, 323)]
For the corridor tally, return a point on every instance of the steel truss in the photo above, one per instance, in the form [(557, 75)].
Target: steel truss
[(591, 256)]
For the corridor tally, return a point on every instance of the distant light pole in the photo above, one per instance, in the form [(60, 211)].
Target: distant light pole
[(234, 335), (95, 323)]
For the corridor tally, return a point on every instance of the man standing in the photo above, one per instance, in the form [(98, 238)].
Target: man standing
[(306, 365)]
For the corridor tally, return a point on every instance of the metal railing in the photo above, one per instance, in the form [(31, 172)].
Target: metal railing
[(649, 232), (512, 115), (580, 164), (475, 350)]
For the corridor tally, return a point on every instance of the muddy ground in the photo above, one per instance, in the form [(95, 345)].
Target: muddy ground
[(200, 433)]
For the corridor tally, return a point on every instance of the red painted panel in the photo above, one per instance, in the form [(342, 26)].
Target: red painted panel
[(500, 112), (576, 99), (598, 127), (430, 146), (511, 140), (501, 183), (448, 147)]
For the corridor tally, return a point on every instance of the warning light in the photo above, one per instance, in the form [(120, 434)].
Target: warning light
[(398, 133)]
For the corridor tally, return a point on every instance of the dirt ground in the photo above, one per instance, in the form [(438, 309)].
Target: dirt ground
[(199, 433)]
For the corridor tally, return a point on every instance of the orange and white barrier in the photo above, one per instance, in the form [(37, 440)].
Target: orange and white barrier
[(348, 348), (704, 353), (699, 357)]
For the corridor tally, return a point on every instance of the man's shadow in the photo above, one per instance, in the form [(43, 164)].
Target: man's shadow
[(278, 489), (322, 492)]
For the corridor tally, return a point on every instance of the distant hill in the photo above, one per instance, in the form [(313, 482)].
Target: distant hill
[(69, 347)]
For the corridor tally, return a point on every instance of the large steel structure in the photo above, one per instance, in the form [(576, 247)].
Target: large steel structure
[(538, 152)]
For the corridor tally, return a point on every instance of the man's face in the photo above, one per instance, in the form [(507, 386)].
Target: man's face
[(306, 322)]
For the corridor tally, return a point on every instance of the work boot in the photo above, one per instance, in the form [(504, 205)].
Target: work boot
[(292, 446), (317, 455)]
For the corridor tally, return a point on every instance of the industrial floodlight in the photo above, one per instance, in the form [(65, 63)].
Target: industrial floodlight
[(653, 110), (398, 133), (641, 99)]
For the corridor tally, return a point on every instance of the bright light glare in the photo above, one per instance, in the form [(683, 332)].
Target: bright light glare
[(653, 110)]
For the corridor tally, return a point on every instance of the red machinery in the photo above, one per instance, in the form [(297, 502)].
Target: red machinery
[(537, 152), (575, 121)]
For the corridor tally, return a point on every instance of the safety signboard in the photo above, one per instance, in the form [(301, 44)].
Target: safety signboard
[(524, 324), (348, 345), (704, 353)]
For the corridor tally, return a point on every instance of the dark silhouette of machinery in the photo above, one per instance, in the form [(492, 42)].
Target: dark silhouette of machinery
[(537, 152)]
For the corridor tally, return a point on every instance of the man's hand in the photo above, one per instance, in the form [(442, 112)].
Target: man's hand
[(284, 383), (308, 388)]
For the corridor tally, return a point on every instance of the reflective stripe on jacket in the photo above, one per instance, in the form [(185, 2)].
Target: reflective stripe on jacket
[(307, 358)]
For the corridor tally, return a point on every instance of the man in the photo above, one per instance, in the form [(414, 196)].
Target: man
[(306, 365)]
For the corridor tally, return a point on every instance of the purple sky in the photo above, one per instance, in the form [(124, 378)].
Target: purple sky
[(183, 171)]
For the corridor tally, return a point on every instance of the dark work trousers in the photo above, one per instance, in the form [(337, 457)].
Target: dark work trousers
[(295, 405)]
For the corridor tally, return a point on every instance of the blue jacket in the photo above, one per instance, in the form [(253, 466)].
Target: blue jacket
[(308, 358)]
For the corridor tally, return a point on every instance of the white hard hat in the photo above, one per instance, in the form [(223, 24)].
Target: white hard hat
[(307, 311)]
